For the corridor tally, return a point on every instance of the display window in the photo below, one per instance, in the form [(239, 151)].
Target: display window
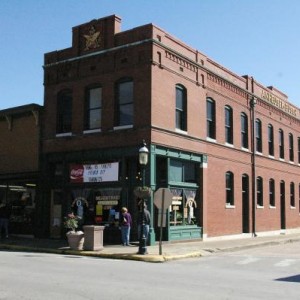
[(183, 207), (20, 197), (97, 206)]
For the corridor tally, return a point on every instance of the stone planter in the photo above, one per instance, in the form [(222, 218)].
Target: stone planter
[(76, 240)]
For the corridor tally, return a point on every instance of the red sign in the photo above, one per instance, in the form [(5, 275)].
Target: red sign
[(76, 173)]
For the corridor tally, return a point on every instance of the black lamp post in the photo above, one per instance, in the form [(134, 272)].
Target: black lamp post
[(143, 160)]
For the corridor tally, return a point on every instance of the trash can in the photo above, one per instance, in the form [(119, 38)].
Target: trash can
[(93, 237)]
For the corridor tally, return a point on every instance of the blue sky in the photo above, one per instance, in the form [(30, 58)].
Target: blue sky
[(260, 38)]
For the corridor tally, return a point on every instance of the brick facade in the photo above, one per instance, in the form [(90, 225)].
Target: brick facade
[(157, 62)]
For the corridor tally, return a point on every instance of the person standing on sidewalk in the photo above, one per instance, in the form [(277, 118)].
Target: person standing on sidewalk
[(4, 218), (126, 223), (144, 218)]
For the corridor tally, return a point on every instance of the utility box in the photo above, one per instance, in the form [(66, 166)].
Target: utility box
[(93, 237)]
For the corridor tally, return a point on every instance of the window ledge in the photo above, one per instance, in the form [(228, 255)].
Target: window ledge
[(63, 134), (258, 153), (211, 140), (260, 206), (180, 131), (272, 207), (91, 131), (123, 127), (293, 207), (245, 149), (229, 145), (272, 156), (228, 205)]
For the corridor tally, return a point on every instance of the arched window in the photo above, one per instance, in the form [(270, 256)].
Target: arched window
[(181, 108), (244, 130), (258, 135), (211, 118), (292, 194), (271, 140), (64, 112), (229, 188), (298, 150), (291, 147), (124, 102), (228, 125), (272, 192), (259, 191), (281, 144)]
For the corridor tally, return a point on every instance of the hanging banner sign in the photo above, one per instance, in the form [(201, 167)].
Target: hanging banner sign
[(94, 173)]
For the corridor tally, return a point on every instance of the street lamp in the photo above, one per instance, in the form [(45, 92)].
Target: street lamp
[(143, 160)]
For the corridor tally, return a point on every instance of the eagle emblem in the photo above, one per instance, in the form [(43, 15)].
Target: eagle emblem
[(93, 39)]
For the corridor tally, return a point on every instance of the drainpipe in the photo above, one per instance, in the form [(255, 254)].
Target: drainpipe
[(253, 146)]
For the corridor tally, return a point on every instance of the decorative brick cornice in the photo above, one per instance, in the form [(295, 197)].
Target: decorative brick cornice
[(226, 84), (181, 61)]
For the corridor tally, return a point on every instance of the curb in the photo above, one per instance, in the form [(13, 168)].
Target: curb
[(146, 258), (152, 258)]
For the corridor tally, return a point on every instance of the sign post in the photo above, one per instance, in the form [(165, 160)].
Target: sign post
[(162, 200)]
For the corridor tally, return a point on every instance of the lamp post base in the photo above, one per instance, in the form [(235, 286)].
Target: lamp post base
[(142, 246)]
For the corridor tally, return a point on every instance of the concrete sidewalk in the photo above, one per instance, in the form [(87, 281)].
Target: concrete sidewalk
[(170, 251)]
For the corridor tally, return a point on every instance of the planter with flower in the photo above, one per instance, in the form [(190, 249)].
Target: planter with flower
[(142, 192), (75, 238)]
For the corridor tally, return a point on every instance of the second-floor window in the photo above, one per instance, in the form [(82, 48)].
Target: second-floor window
[(64, 112), (211, 118), (244, 130), (258, 135), (228, 125), (181, 108), (281, 144), (124, 103), (298, 150), (93, 108), (271, 140), (291, 147)]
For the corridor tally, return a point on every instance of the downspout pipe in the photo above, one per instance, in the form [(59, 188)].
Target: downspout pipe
[(253, 164)]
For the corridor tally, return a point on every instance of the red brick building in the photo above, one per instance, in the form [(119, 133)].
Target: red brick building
[(226, 146), (20, 131)]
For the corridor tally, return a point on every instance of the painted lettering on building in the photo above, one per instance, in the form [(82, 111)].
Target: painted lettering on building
[(279, 103)]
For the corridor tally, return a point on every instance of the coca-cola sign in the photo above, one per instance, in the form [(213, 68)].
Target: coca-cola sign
[(76, 173), (94, 172)]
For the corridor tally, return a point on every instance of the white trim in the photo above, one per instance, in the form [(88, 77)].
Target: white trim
[(245, 149), (211, 140), (181, 131), (63, 134), (228, 205), (229, 145), (123, 127), (91, 131)]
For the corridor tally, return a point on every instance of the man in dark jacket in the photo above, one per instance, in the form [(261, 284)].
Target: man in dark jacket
[(4, 218), (145, 219)]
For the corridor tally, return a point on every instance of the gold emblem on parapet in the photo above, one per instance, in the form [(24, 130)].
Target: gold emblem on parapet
[(93, 39)]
